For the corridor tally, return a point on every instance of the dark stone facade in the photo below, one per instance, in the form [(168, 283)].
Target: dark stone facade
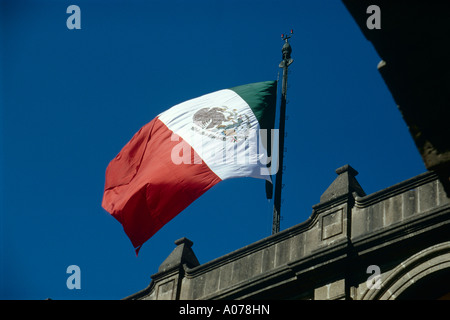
[(412, 43)]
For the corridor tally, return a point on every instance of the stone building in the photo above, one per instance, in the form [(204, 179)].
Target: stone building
[(392, 244)]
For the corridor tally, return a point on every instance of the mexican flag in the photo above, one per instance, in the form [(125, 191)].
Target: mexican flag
[(186, 150)]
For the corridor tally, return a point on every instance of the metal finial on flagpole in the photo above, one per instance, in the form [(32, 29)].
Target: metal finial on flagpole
[(285, 63)]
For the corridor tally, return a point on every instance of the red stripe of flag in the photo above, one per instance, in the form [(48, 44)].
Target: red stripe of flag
[(144, 189)]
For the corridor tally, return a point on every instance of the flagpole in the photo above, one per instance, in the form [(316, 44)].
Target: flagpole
[(286, 51)]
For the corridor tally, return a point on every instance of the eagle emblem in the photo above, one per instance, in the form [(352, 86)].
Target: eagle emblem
[(221, 123)]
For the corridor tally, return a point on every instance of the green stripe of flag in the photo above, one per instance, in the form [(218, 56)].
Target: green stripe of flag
[(261, 97)]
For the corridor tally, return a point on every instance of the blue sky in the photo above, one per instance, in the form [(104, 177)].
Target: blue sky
[(71, 99)]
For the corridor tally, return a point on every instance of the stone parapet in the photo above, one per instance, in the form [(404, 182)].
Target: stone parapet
[(325, 257)]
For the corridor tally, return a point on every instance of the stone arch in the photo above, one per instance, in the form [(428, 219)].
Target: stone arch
[(416, 269)]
